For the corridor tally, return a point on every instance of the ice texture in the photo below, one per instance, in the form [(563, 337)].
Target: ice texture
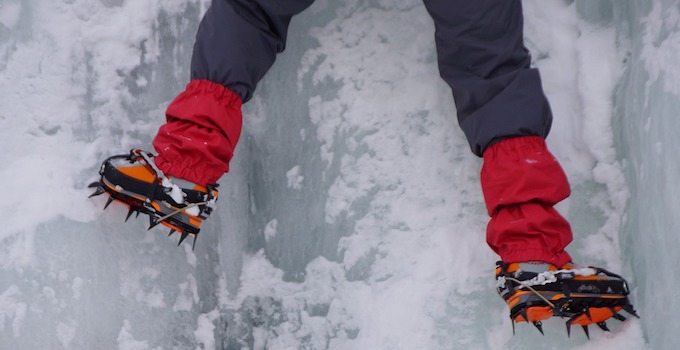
[(352, 217)]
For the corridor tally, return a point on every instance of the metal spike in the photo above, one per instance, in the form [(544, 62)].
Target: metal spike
[(97, 192), (513, 326), (539, 326), (184, 236), (630, 310), (108, 202), (152, 222), (569, 329), (137, 215), (523, 313), (94, 184), (129, 214), (171, 232), (619, 317), (603, 326), (587, 313), (585, 329), (193, 246)]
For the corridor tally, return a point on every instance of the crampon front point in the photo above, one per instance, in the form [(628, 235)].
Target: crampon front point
[(582, 295), (134, 180)]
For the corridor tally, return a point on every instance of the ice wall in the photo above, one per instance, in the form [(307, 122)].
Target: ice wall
[(352, 218), (646, 105), (646, 119), (80, 80)]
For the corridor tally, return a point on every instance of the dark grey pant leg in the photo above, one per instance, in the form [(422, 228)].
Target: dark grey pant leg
[(481, 54), (237, 41)]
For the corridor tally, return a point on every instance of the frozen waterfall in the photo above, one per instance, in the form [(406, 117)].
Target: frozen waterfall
[(352, 217)]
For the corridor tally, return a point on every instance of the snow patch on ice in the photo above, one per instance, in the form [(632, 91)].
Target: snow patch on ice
[(127, 342), (188, 295), (661, 45), (77, 287), (11, 309), (190, 254), (205, 330), (139, 286), (271, 229), (66, 332), (9, 12), (294, 178)]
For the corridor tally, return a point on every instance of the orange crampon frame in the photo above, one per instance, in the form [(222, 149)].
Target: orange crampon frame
[(584, 296), (134, 180)]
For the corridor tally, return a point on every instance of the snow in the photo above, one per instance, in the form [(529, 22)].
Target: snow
[(294, 178), (66, 332), (175, 193), (270, 229), (127, 342), (204, 333), (352, 217)]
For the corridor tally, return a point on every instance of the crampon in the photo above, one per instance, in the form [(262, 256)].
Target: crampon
[(582, 295), (134, 180)]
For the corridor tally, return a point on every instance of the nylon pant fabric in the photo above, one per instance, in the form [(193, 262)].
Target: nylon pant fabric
[(237, 41), (481, 55), (480, 52)]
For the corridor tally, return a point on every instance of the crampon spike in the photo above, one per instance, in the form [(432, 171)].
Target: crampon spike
[(587, 313), (193, 246), (152, 222), (171, 232), (619, 317), (129, 214), (98, 189), (569, 329), (629, 309), (184, 236), (569, 323), (97, 192), (513, 327), (603, 326), (523, 313), (539, 326), (585, 329), (108, 202)]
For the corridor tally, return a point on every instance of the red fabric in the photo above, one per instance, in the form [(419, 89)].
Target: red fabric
[(521, 181), (202, 129)]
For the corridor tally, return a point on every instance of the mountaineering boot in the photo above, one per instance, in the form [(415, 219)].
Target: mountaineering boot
[(134, 180), (584, 295)]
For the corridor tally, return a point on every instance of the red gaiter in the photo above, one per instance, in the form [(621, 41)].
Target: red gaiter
[(202, 129), (522, 181)]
